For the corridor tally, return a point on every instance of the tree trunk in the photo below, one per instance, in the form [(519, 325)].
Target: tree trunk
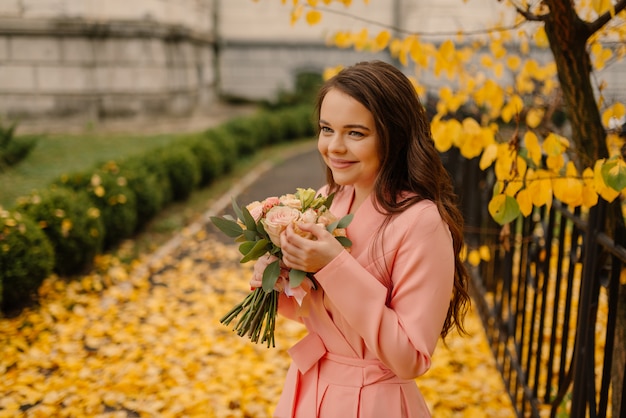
[(568, 36)]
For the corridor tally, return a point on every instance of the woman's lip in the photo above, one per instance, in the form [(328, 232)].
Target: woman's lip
[(337, 163)]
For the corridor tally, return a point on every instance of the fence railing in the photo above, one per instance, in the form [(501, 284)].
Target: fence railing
[(549, 298)]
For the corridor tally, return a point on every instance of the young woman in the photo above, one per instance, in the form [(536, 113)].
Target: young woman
[(380, 307)]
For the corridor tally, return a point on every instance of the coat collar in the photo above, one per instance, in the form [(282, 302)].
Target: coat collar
[(366, 222)]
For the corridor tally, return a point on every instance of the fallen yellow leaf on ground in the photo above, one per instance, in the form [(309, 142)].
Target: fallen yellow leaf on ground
[(127, 341)]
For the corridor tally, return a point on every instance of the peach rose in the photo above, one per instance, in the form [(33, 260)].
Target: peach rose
[(309, 216), (270, 202), (326, 218), (277, 219), (256, 210), (291, 200)]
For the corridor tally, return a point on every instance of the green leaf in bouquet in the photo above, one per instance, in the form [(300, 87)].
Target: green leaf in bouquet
[(270, 275), (246, 247), (250, 235), (329, 200), (237, 209), (259, 248), (260, 229), (345, 221), (341, 223), (344, 241), (248, 220), (296, 277), (230, 228)]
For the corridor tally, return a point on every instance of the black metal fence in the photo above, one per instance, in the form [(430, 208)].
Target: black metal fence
[(548, 297)]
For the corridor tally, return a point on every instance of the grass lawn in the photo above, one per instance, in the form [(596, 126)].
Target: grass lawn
[(58, 154)]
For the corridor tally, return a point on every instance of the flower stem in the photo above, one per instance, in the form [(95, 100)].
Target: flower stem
[(257, 316)]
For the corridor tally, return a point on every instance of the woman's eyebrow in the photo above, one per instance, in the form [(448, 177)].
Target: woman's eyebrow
[(349, 126)]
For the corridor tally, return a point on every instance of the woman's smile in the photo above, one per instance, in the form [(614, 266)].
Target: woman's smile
[(337, 163)]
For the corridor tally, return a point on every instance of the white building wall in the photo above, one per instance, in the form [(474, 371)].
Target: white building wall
[(192, 14), (269, 20)]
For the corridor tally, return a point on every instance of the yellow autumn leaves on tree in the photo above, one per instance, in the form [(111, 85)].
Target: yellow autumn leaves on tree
[(512, 131)]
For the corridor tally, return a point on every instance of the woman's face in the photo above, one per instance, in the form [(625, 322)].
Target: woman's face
[(348, 141)]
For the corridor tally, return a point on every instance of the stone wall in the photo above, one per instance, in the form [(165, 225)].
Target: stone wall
[(93, 60)]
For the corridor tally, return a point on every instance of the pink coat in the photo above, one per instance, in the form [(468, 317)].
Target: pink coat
[(372, 328)]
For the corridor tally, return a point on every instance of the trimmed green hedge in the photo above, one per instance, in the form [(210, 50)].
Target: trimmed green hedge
[(26, 259), (71, 222), (82, 214), (112, 195)]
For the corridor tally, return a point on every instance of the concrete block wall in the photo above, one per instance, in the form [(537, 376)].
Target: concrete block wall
[(92, 60), (60, 76), (196, 15)]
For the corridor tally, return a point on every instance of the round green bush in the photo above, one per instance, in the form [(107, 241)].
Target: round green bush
[(71, 222), (144, 184), (153, 161), (245, 132), (208, 157), (226, 146), (276, 127), (183, 170), (297, 122), (26, 259), (115, 199)]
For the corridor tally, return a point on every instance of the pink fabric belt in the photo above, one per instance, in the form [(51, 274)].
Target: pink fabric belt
[(351, 374)]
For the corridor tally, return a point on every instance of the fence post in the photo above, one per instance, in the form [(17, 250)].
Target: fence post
[(583, 364)]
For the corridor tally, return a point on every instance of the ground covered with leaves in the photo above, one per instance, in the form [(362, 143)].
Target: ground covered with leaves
[(144, 340)]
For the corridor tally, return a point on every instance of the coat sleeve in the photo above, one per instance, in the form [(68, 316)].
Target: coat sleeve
[(288, 307), (403, 333)]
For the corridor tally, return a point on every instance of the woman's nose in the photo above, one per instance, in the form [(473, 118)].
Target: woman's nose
[(336, 144)]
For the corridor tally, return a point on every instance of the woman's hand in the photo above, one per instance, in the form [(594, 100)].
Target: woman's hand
[(308, 254), (259, 268)]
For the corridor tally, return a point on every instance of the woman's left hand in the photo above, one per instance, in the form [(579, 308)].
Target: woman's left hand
[(309, 254)]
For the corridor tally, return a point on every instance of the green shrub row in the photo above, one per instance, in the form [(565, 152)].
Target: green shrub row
[(82, 214)]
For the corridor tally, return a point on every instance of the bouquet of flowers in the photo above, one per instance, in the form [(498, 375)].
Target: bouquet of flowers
[(257, 228)]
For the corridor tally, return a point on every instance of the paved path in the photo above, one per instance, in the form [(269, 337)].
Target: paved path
[(304, 169)]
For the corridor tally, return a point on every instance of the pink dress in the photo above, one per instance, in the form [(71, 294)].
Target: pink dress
[(375, 319)]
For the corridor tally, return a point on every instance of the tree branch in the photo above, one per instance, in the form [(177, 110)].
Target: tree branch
[(603, 19), (410, 32), (527, 14)]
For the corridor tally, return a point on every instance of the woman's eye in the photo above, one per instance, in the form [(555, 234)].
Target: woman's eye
[(356, 134), (325, 129)]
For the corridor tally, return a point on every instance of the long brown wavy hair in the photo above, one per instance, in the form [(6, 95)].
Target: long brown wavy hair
[(409, 160)]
